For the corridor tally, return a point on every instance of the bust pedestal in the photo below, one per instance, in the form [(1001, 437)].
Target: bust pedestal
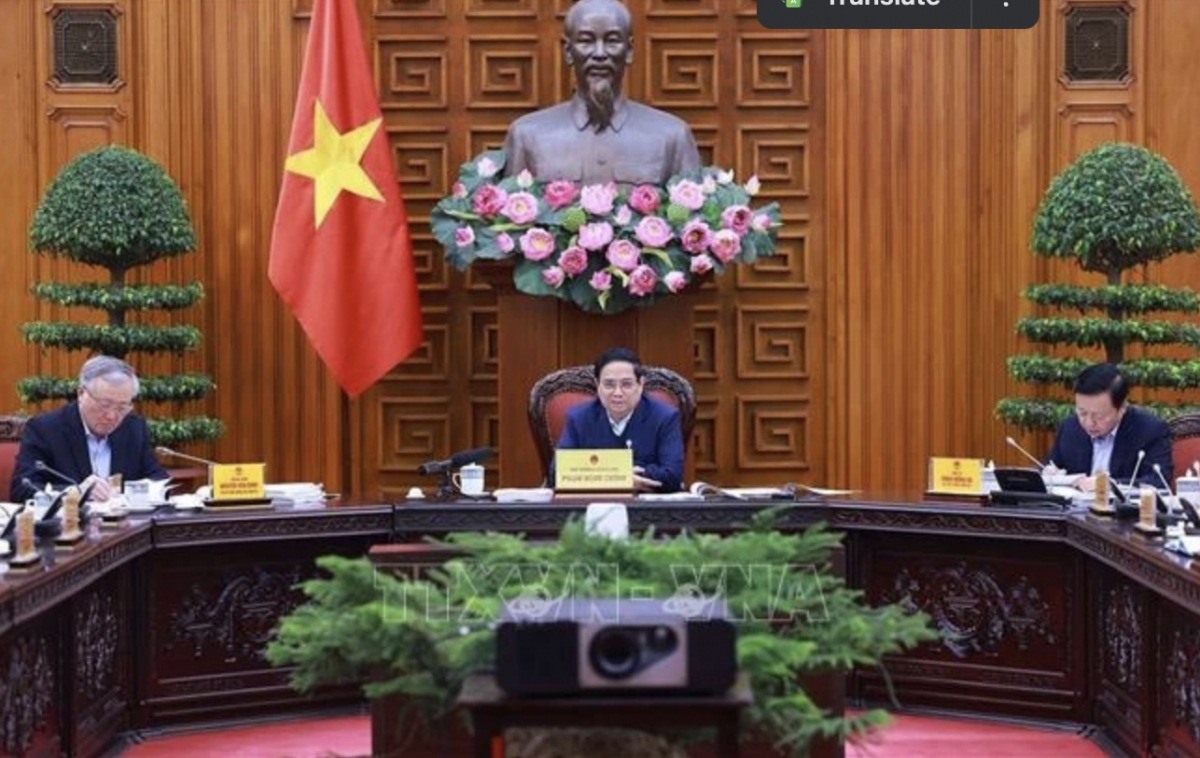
[(538, 335)]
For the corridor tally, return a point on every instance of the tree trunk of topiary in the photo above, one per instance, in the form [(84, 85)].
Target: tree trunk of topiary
[(1114, 349)]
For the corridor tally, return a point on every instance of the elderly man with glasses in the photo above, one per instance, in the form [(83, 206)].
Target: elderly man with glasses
[(90, 439), (622, 415)]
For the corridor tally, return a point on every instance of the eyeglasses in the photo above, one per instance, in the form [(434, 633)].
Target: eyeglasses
[(611, 385), (109, 406)]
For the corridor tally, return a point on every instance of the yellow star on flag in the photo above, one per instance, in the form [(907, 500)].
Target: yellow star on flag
[(334, 162)]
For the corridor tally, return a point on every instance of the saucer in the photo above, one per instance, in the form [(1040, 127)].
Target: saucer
[(147, 508), (485, 495), (522, 495)]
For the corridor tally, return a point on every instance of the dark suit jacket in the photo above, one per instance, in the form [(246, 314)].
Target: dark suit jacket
[(1139, 430), (58, 439), (654, 433)]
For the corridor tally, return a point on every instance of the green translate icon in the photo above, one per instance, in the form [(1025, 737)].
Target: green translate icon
[(793, 3)]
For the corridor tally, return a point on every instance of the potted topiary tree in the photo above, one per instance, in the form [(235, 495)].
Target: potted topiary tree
[(1116, 209), (115, 209), (421, 634)]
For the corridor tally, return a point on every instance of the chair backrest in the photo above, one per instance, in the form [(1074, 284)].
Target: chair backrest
[(11, 428), (1185, 441), (558, 392)]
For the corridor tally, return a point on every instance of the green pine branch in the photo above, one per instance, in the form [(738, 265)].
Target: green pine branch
[(120, 298), (421, 636), (1127, 298), (176, 387), (177, 431), (1158, 373), (1096, 332), (112, 340)]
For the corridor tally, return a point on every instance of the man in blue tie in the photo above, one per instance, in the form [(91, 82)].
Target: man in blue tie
[(91, 438), (622, 415), (1106, 434)]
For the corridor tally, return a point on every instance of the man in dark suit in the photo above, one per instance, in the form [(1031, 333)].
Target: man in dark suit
[(1106, 434), (623, 416), (91, 438)]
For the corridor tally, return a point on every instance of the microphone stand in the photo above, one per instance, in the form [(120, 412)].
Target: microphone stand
[(446, 491)]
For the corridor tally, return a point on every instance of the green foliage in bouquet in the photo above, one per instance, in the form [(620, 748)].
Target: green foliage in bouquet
[(423, 636), (115, 209), (603, 247), (1116, 208)]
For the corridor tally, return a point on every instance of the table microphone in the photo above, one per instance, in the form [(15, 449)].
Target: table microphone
[(1025, 452), (41, 466), (1163, 479), (176, 454), (1132, 479)]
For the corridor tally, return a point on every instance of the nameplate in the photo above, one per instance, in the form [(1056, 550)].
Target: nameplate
[(594, 470), (956, 476), (238, 481)]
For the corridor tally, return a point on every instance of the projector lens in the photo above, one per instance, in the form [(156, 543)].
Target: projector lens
[(614, 653)]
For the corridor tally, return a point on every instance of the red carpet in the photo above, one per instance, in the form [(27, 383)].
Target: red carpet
[(907, 737)]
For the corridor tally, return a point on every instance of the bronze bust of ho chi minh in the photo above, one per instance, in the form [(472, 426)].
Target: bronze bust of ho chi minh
[(600, 135)]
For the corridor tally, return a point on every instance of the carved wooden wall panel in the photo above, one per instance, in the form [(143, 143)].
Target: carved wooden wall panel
[(450, 91)]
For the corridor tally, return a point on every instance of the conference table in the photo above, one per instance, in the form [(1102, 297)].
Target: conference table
[(161, 622)]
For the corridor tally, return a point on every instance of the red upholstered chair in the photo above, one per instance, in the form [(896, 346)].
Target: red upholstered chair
[(1185, 442), (11, 428), (558, 392)]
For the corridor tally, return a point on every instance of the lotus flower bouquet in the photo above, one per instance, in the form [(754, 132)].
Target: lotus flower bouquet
[(603, 247)]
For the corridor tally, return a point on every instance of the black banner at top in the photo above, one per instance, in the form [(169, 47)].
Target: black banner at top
[(898, 14)]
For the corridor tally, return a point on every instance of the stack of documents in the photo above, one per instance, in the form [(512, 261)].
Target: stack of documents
[(296, 492)]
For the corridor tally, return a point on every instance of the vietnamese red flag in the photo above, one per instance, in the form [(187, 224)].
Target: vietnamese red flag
[(341, 257)]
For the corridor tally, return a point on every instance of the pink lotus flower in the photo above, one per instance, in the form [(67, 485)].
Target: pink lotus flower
[(487, 167), (489, 200), (761, 222), (560, 193), (696, 237), (505, 242), (624, 255), (688, 194), (537, 244), (521, 208), (737, 218), (458, 190), (645, 199), (595, 236), (675, 281), (573, 261), (553, 276), (642, 280), (653, 231), (601, 281), (623, 215), (702, 264), (726, 244), (597, 199), (464, 236), (709, 185), (524, 179)]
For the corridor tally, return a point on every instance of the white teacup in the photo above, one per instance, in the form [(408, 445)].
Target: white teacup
[(137, 493), (469, 479)]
